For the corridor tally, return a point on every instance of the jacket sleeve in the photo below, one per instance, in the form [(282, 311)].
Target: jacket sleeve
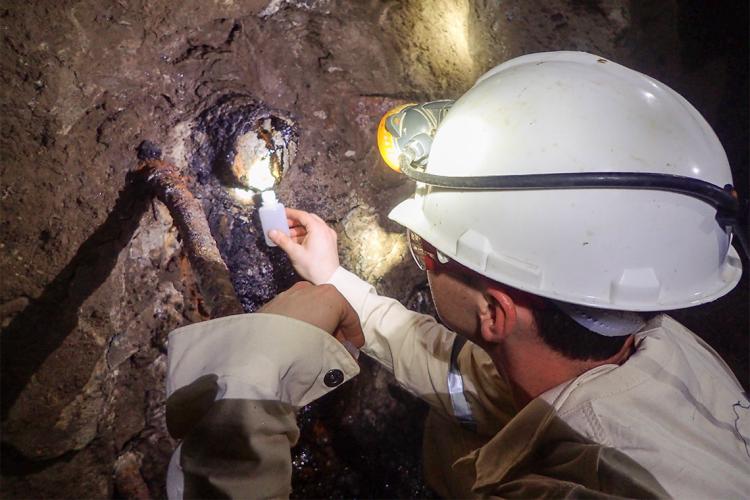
[(414, 347), (454, 376), (233, 386)]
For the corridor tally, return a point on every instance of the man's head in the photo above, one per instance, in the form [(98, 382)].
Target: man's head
[(492, 314), (572, 178)]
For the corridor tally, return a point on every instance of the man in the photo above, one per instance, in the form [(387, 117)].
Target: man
[(568, 382)]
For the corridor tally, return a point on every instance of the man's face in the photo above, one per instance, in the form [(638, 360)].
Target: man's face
[(457, 300), (457, 303)]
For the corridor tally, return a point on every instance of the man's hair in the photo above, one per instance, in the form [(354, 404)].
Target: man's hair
[(563, 335), (558, 330)]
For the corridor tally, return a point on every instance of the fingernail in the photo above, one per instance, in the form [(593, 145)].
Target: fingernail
[(351, 348), (273, 233)]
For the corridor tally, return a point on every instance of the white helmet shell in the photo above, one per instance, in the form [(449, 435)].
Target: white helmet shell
[(569, 112)]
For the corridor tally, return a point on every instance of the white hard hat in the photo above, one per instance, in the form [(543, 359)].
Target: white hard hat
[(572, 112)]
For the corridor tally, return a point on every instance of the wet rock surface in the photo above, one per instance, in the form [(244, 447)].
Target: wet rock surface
[(93, 272), (234, 143)]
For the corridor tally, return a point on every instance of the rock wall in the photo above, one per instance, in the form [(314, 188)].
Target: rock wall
[(93, 276)]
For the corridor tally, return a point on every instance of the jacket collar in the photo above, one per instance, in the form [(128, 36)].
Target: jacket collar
[(538, 424)]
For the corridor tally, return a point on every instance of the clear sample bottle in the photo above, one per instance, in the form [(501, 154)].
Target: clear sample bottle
[(272, 216)]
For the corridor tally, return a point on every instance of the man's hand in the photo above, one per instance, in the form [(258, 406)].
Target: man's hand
[(322, 306), (311, 245)]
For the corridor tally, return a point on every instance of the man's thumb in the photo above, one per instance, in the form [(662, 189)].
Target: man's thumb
[(283, 241)]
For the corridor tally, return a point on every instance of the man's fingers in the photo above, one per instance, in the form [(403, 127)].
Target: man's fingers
[(322, 306), (300, 216), (293, 223), (281, 303), (349, 325), (286, 243), (295, 232), (300, 285)]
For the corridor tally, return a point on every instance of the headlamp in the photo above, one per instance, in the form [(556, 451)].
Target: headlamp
[(405, 133), (389, 150)]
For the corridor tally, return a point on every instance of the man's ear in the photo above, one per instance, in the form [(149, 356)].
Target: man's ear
[(499, 319)]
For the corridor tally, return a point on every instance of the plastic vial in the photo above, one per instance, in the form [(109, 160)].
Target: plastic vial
[(272, 216)]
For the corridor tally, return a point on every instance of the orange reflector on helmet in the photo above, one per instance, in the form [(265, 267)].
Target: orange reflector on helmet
[(387, 143)]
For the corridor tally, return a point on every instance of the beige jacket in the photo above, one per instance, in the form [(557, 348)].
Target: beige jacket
[(669, 422), (233, 386), (672, 420)]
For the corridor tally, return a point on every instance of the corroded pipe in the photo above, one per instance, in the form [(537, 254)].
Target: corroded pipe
[(214, 280)]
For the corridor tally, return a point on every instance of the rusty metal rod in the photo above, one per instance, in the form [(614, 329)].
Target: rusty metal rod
[(214, 280)]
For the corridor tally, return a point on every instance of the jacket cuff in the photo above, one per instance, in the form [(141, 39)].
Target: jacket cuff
[(259, 357)]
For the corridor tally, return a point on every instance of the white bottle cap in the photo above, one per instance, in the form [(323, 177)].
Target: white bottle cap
[(269, 198)]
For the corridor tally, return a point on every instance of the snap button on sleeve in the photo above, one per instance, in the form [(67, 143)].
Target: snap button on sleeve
[(333, 377)]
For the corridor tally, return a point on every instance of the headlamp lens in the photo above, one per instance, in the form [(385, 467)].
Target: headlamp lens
[(387, 145)]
